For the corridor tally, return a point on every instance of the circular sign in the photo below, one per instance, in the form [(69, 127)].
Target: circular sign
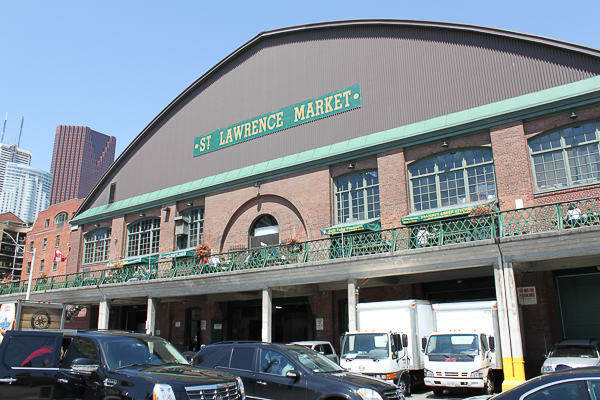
[(40, 320)]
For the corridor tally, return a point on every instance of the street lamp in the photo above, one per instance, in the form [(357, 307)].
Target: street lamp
[(22, 247)]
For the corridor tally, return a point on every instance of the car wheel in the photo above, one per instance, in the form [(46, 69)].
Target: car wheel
[(488, 388), (438, 392)]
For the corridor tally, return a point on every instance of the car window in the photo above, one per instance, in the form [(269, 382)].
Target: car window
[(564, 391), (273, 362), (319, 348), (224, 362), (80, 348), (581, 351), (242, 358), (327, 349), (31, 351)]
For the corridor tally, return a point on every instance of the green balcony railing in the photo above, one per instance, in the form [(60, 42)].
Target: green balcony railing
[(545, 218)]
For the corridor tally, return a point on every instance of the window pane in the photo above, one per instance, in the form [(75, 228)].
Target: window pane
[(357, 197)]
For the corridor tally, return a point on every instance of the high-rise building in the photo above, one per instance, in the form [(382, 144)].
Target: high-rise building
[(80, 157), (26, 191), (12, 153)]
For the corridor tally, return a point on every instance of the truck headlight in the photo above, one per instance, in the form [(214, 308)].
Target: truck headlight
[(368, 394), (163, 392), (477, 374), (241, 388), (428, 373), (546, 369)]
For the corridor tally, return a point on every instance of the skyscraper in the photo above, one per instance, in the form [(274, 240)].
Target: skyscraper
[(12, 153), (80, 157), (26, 191)]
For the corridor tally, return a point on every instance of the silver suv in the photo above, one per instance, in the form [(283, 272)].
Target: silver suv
[(572, 353)]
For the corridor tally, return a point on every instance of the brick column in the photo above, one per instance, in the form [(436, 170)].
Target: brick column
[(512, 165), (392, 187)]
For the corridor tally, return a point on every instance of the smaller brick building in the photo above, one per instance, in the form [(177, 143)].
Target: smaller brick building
[(51, 231)]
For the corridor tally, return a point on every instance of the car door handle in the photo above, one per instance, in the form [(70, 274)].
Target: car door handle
[(8, 380), (62, 380), (261, 383)]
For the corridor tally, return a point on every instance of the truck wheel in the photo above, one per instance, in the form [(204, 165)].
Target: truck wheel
[(403, 384), (488, 388), (438, 392)]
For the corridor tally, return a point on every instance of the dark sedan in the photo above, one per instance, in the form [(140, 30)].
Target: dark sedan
[(573, 384), (291, 372)]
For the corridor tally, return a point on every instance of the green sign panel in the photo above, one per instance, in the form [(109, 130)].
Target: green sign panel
[(436, 215), (285, 118), (371, 225)]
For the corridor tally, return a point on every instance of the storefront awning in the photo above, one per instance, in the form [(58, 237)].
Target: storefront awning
[(373, 224), (438, 214), (136, 260), (176, 254)]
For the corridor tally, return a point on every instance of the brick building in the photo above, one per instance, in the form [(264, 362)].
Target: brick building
[(51, 231), (79, 159), (350, 162)]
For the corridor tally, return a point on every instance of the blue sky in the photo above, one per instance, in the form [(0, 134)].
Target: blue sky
[(114, 65)]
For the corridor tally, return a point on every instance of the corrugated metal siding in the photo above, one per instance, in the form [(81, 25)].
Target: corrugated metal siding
[(407, 74)]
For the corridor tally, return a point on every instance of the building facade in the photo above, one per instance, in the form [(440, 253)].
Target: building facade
[(324, 165), (12, 245), (14, 154), (50, 232), (80, 157), (26, 191)]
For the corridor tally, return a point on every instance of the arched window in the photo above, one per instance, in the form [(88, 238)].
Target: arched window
[(60, 219), (357, 197), (453, 178), (566, 157), (96, 246), (143, 237), (264, 232)]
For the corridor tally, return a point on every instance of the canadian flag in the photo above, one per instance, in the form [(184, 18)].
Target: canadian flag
[(58, 256)]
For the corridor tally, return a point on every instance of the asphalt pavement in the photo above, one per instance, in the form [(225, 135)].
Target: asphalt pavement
[(423, 393)]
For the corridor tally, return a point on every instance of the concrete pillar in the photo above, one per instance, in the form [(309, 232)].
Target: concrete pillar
[(510, 327), (151, 316), (103, 313), (352, 325), (267, 314)]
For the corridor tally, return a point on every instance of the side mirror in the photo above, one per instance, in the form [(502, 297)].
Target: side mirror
[(84, 366), (295, 375), (492, 343), (404, 340), (423, 343)]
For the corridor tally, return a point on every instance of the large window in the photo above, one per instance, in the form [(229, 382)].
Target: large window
[(96, 246), (357, 197), (195, 220), (143, 237), (60, 219), (453, 178), (566, 157)]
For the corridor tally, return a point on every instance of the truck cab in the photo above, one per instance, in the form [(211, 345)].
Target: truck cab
[(462, 359), (381, 355)]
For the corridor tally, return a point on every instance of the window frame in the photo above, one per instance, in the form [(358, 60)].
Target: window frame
[(154, 238), (337, 201), (437, 172), (90, 247), (60, 219), (197, 225), (563, 150)]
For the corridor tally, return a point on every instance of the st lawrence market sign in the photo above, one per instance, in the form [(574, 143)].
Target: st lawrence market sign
[(285, 118)]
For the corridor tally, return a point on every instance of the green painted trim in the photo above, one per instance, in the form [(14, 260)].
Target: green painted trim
[(284, 118), (355, 226), (546, 102)]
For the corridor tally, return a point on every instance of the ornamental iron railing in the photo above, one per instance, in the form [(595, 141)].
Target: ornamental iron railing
[(523, 221)]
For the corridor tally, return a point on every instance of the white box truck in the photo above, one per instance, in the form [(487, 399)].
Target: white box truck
[(386, 344), (463, 351)]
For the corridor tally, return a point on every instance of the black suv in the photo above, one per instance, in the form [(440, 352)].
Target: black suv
[(104, 365), (291, 372)]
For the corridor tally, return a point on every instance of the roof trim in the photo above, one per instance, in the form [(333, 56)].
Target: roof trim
[(546, 102), (321, 25)]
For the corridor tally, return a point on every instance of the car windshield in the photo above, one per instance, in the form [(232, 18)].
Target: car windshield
[(373, 345), (313, 360), (120, 352), (571, 350), (452, 344)]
